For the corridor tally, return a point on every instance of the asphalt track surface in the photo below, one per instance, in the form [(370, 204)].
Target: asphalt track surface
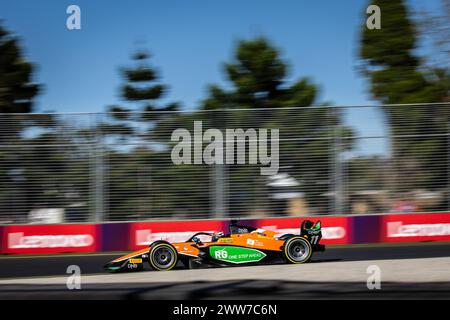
[(23, 266), (427, 263)]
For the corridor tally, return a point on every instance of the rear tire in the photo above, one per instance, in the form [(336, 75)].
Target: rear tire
[(297, 250), (162, 256)]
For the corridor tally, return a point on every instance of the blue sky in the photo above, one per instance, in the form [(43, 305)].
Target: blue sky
[(189, 40)]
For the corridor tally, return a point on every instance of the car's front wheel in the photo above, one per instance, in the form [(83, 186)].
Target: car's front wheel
[(162, 256), (297, 250)]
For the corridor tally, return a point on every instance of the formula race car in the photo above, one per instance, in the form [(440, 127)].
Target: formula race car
[(241, 246)]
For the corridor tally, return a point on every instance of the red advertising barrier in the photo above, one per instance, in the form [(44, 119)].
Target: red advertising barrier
[(335, 230), (144, 233), (1, 238), (43, 239), (50, 238), (415, 227)]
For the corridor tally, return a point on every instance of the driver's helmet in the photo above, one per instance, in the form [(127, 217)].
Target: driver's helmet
[(307, 224), (238, 230), (217, 236), (197, 240), (234, 228)]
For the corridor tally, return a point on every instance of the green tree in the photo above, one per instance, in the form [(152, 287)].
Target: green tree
[(257, 75), (389, 59), (16, 87), (143, 88), (17, 91), (436, 30), (258, 78), (130, 164), (140, 86), (397, 76)]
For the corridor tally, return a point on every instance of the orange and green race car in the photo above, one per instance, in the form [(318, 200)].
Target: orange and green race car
[(242, 245)]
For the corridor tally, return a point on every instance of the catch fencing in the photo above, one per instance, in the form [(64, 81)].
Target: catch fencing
[(339, 160)]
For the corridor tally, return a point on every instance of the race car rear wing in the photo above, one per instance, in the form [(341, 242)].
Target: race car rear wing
[(313, 232)]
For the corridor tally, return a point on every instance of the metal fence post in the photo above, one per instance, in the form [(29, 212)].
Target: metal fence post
[(448, 165), (98, 173), (219, 178), (337, 171), (219, 207)]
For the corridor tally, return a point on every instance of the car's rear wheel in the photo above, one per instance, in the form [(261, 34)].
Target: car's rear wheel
[(297, 250), (162, 256)]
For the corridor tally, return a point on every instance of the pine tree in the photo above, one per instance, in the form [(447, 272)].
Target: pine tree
[(389, 59), (258, 79), (257, 75), (140, 86), (16, 87), (396, 76)]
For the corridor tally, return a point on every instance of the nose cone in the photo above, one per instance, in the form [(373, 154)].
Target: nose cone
[(112, 266)]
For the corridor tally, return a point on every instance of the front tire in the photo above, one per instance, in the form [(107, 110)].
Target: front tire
[(297, 250), (162, 256)]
